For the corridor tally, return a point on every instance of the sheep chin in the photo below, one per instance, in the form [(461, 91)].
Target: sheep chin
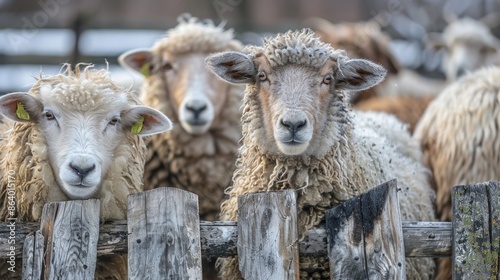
[(77, 192), (292, 149), (195, 129)]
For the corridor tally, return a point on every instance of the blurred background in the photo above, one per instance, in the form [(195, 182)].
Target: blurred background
[(38, 36)]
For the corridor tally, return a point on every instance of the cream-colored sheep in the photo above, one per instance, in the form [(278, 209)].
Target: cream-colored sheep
[(459, 135), (75, 135), (199, 154), (469, 45), (298, 133)]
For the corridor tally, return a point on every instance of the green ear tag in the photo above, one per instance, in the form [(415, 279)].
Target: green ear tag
[(145, 70), (137, 127), (21, 112)]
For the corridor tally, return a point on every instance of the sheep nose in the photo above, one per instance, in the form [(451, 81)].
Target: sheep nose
[(461, 71), (82, 171), (293, 126), (196, 109)]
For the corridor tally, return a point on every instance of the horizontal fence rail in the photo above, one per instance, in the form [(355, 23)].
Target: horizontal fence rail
[(164, 238), (218, 239)]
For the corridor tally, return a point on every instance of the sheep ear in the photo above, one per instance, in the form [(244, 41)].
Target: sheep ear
[(20, 107), (139, 60), (143, 120), (358, 74), (234, 67)]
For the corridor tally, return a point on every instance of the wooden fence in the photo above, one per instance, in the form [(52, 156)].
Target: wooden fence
[(163, 225)]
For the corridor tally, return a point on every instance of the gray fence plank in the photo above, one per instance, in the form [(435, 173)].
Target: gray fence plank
[(494, 209), (70, 230), (475, 231), (33, 256), (365, 236), (267, 236), (164, 240)]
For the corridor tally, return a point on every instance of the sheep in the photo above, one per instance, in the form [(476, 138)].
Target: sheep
[(298, 133), (404, 93), (360, 40), (468, 44), (74, 135), (198, 155), (406, 108), (459, 136)]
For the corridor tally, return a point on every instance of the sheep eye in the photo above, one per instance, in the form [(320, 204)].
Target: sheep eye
[(166, 66), (327, 79), (114, 121), (49, 115), (262, 76)]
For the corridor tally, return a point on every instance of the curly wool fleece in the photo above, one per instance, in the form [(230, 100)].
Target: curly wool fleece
[(24, 152), (365, 150)]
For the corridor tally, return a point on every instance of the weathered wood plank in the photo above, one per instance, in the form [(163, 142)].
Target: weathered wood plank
[(267, 236), (494, 209), (33, 256), (427, 239), (475, 246), (218, 239), (71, 250), (49, 212), (365, 236), (164, 240)]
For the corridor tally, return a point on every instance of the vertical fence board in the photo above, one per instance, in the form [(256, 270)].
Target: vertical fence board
[(268, 236), (365, 236), (494, 209), (346, 241), (164, 240), (71, 229), (475, 231), (33, 256)]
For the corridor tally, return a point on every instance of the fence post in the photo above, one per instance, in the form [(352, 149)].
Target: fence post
[(33, 256), (476, 231), (365, 236), (71, 231), (164, 235), (267, 236)]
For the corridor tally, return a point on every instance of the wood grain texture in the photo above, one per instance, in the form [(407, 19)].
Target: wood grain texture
[(33, 256), (427, 239), (218, 239), (365, 236), (164, 240), (71, 250), (268, 236), (475, 233)]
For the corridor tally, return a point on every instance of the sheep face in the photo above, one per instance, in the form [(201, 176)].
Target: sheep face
[(196, 94), (303, 107), (463, 56), (82, 129), (469, 45)]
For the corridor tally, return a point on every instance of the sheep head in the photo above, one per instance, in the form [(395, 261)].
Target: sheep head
[(469, 45), (83, 118), (299, 85), (195, 94)]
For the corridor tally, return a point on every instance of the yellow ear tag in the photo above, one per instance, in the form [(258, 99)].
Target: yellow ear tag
[(145, 70), (137, 127), (21, 112)]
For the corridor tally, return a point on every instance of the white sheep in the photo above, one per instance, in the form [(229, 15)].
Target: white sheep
[(75, 135), (198, 155), (469, 45), (459, 135), (298, 133)]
